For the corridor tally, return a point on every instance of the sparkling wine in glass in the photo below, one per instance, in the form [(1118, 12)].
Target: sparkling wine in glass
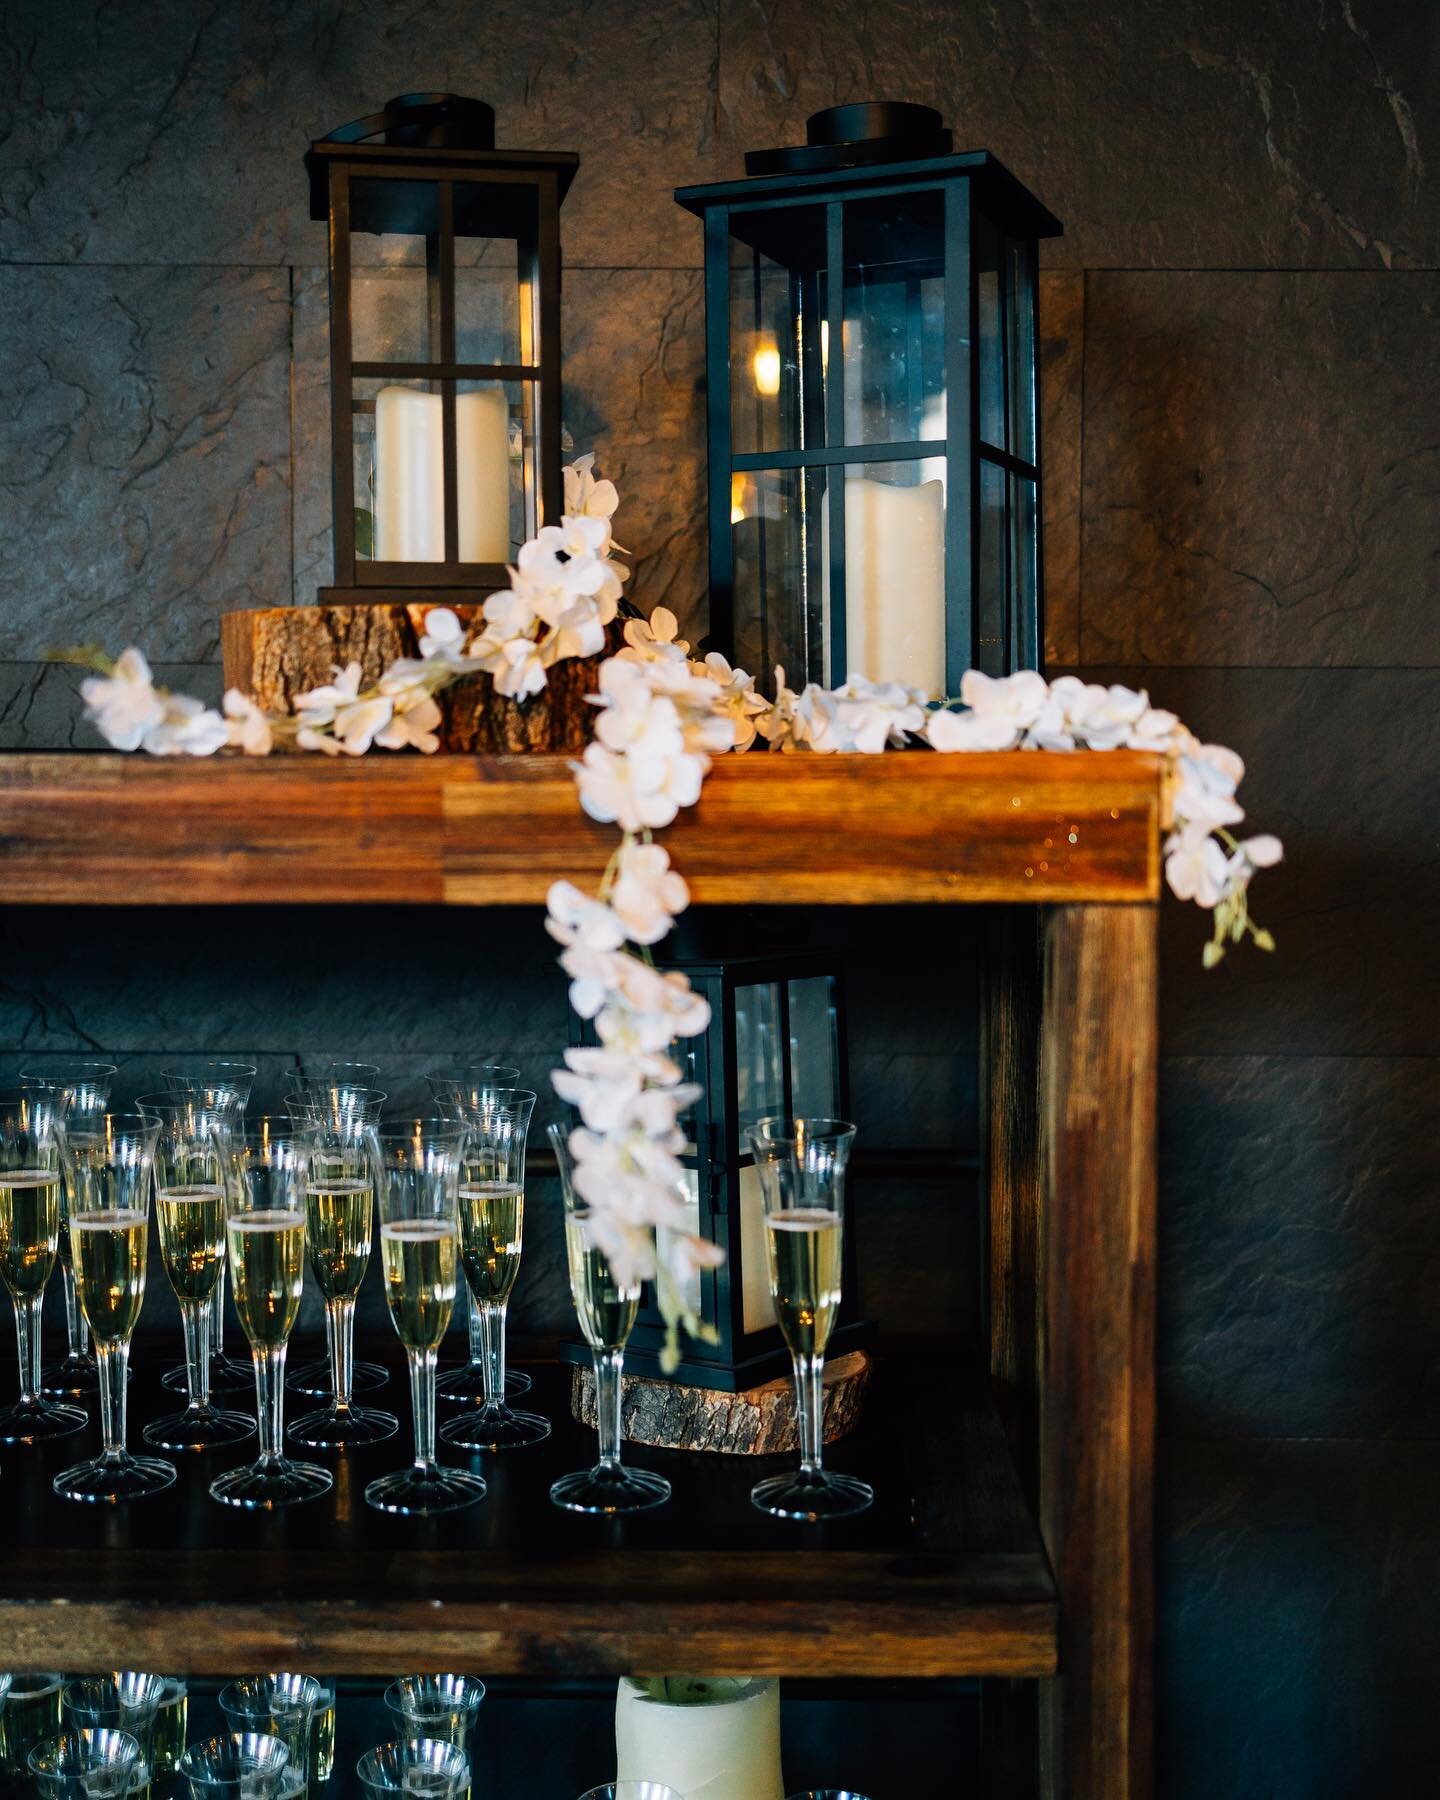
[(110, 1174), (417, 1179), (83, 1088), (801, 1164), (492, 1224), (30, 1714), (31, 1143), (266, 1175), (468, 1092), (606, 1303)]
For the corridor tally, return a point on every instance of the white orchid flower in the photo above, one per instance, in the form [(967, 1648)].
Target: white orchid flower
[(654, 639), (319, 705), (519, 669), (443, 636), (1205, 793), (637, 793), (647, 893), (738, 700), (123, 705), (187, 727), (359, 725), (573, 917), (872, 714), (509, 614), (586, 496), (1195, 866), (250, 728), (412, 725)]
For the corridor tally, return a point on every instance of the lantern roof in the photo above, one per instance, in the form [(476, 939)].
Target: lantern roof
[(421, 131)]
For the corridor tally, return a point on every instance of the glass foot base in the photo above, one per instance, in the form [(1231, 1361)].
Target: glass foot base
[(227, 1376), (610, 1488), (73, 1378), (199, 1429), (331, 1430), (819, 1495), (467, 1384), (314, 1379), (38, 1421), (422, 1491), (496, 1428), (278, 1482), (110, 1479)]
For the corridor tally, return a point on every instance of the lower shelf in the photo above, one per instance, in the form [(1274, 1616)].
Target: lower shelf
[(945, 1576)]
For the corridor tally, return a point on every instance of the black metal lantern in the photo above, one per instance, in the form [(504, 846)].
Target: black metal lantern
[(874, 502), (775, 1044), (444, 346)]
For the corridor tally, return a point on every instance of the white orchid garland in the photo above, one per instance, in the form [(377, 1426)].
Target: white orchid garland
[(661, 716)]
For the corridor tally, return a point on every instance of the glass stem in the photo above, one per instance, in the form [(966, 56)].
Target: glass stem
[(217, 1318), (195, 1318), (113, 1360), (422, 1403), (608, 1364), (27, 1332), (270, 1403), (77, 1332), (477, 1330), (492, 1321), (810, 1411), (340, 1323)]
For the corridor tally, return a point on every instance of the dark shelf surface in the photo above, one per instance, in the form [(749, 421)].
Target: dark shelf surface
[(945, 1575)]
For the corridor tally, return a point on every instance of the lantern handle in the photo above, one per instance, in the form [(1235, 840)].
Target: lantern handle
[(448, 121)]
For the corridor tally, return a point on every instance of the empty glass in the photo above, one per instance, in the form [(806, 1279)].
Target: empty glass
[(492, 1222), (606, 1307), (237, 1765), (123, 1702), (280, 1706), (428, 1767), (801, 1164), (464, 1093), (30, 1715), (84, 1088), (110, 1175), (417, 1180), (31, 1142), (437, 1706), (91, 1763), (195, 1134), (266, 1176)]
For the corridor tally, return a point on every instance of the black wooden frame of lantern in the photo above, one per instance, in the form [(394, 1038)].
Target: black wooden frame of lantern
[(447, 141), (740, 1359), (872, 152)]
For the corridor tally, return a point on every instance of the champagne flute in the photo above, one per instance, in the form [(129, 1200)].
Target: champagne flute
[(236, 1765), (216, 1085), (125, 1701), (110, 1175), (801, 1163), (336, 1109), (417, 1179), (492, 1219), (606, 1303), (91, 1763), (85, 1088), (190, 1210), (31, 1143), (463, 1093), (339, 1224), (431, 1768), (266, 1174)]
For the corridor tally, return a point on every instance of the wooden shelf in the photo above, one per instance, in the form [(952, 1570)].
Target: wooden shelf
[(100, 829), (944, 1576)]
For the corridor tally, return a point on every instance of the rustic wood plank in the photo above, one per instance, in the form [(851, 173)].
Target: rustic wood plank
[(788, 830), (1098, 1402)]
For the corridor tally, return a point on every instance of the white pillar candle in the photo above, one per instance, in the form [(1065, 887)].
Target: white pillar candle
[(707, 1739), (410, 476), (895, 582)]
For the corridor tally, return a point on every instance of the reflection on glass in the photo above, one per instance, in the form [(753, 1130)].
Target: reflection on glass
[(88, 1764), (759, 1052), (895, 573), (991, 610), (894, 343), (814, 1048), (428, 1767), (778, 329), (990, 371), (779, 543), (240, 1765)]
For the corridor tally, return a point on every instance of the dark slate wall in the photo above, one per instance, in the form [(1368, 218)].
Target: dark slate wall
[(1244, 506)]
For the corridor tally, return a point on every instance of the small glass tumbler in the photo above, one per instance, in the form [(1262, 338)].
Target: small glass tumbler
[(606, 1307), (84, 1088), (631, 1790), (437, 1706), (427, 1768), (172, 1718), (281, 1706), (31, 1151), (465, 1093), (91, 1763), (30, 1715), (236, 1765), (801, 1164), (124, 1702)]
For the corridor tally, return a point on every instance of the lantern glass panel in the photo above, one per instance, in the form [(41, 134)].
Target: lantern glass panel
[(757, 1309), (895, 574), (495, 468), (1025, 563), (990, 374), (991, 592), (778, 330), (759, 1056), (394, 266), (777, 523), (690, 1291), (814, 1049), (894, 319), (386, 524), (1021, 348), (495, 232)]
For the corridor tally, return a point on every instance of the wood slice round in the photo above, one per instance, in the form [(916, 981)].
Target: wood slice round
[(275, 653), (759, 1422)]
